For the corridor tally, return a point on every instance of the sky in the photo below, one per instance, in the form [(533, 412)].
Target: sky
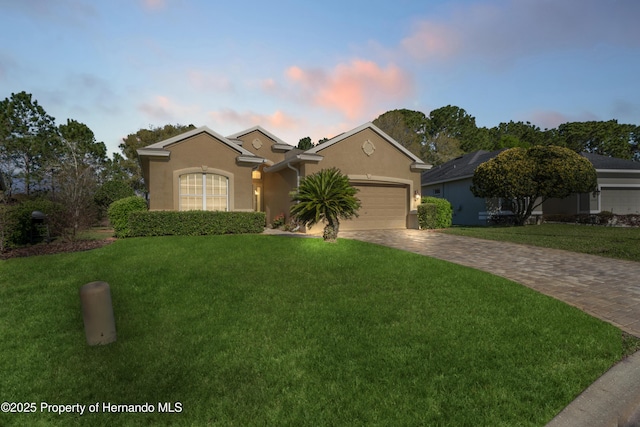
[(319, 68)]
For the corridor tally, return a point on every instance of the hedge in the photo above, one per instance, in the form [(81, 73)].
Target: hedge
[(438, 218), (119, 212), (194, 223)]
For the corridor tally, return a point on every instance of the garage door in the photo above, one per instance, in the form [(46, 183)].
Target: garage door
[(383, 207), (620, 200)]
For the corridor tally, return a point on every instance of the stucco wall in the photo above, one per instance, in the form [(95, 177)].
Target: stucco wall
[(384, 163), (261, 145), (202, 153), (277, 186)]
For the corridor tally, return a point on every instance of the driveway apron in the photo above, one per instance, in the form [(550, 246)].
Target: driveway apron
[(608, 289)]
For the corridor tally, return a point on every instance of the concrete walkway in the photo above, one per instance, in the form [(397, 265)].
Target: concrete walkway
[(606, 288)]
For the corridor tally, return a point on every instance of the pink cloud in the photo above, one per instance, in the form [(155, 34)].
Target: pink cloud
[(354, 89), (163, 108), (277, 120), (154, 4)]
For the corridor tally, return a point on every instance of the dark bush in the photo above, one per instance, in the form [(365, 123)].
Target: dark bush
[(111, 191), (119, 212), (23, 229), (427, 215), (444, 212), (194, 223)]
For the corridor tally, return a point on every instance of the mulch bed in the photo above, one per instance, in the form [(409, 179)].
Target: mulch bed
[(55, 248)]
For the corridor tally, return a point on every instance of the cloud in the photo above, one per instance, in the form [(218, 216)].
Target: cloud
[(276, 120), (503, 30), (355, 88), (162, 108), (547, 119), (209, 81), (154, 5)]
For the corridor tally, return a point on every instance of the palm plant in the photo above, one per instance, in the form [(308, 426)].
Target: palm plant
[(326, 196)]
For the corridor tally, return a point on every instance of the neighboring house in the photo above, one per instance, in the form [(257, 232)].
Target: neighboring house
[(254, 170), (618, 189)]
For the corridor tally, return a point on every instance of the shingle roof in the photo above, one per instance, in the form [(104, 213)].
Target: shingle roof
[(604, 162), (458, 168), (464, 166)]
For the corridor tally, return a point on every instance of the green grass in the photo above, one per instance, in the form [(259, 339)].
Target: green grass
[(612, 242), (268, 330)]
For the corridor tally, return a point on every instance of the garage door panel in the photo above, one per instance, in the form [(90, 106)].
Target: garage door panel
[(620, 200), (382, 207)]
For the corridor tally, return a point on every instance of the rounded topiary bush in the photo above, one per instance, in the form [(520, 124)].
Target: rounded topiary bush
[(443, 213), (119, 212)]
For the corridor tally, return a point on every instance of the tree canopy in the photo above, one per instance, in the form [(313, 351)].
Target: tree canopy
[(526, 177), (450, 131), (29, 139), (129, 162)]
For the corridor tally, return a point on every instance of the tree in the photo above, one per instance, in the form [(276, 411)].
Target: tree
[(305, 143), (80, 161), (528, 177), (405, 126), (142, 138), (455, 123), (326, 196), (516, 134), (29, 139), (608, 138)]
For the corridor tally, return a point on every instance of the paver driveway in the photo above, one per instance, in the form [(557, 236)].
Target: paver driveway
[(605, 288)]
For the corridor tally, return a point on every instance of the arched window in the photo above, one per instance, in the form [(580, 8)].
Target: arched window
[(204, 191)]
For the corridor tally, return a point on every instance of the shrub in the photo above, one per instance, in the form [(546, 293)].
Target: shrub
[(443, 215), (427, 213), (23, 229), (194, 223), (119, 212), (278, 221)]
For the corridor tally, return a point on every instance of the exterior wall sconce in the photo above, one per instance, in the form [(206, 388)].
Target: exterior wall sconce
[(596, 193), (416, 195)]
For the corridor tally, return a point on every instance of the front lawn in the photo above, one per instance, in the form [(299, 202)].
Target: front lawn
[(270, 330), (613, 242)]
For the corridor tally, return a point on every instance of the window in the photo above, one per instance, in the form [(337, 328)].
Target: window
[(204, 191)]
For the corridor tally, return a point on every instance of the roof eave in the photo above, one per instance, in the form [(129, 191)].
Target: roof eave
[(153, 153), (418, 166), (250, 160)]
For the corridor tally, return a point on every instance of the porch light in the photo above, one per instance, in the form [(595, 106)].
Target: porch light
[(416, 195), (596, 193), (256, 174)]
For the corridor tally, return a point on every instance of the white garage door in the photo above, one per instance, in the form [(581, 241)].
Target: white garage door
[(383, 207), (620, 200)]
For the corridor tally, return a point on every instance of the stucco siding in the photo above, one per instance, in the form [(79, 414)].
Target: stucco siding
[(261, 145), (198, 153)]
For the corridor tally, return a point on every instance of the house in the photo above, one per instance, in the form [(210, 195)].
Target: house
[(253, 170), (618, 190)]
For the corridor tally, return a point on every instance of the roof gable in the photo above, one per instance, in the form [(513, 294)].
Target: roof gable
[(279, 144), (360, 128), (161, 148)]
